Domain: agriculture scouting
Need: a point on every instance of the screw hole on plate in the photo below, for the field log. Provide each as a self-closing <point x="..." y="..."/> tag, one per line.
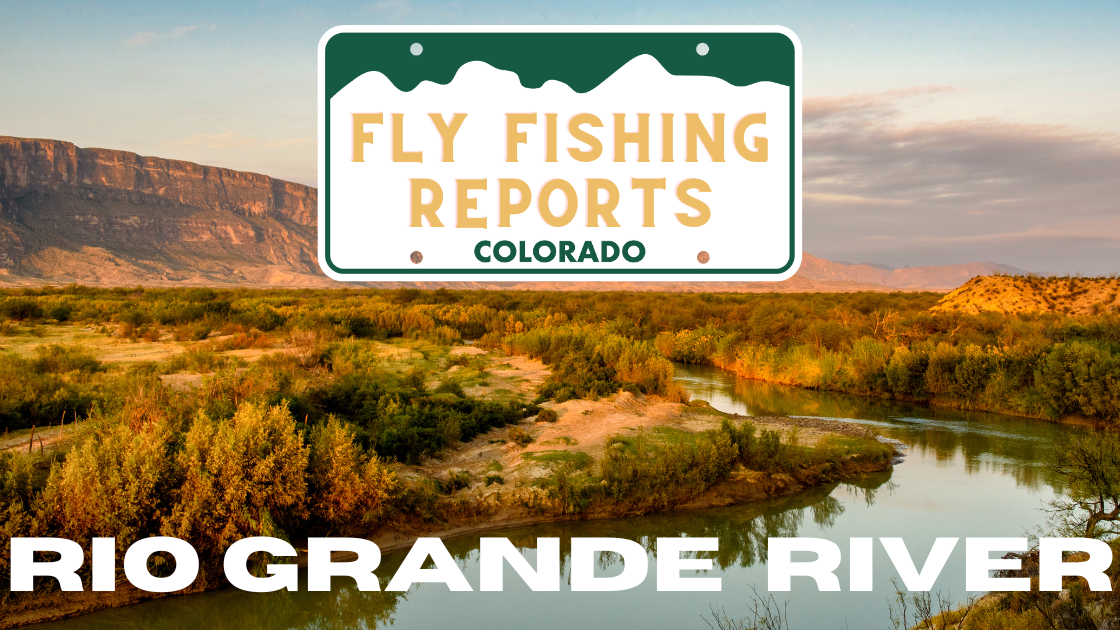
<point x="701" y="49"/>
<point x="416" y="258"/>
<point x="416" y="49"/>
<point x="703" y="258"/>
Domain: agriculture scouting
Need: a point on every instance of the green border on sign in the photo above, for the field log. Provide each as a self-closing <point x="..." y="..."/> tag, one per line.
<point x="582" y="60"/>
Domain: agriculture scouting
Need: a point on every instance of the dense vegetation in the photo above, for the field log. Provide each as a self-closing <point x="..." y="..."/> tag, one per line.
<point x="1051" y="365"/>
<point x="319" y="414"/>
<point x="659" y="469"/>
<point x="294" y="404"/>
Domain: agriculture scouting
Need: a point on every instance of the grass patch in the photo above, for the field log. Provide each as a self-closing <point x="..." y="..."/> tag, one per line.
<point x="578" y="460"/>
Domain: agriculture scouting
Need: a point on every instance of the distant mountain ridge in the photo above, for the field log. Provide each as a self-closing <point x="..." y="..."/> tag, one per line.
<point x="112" y="218"/>
<point x="932" y="278"/>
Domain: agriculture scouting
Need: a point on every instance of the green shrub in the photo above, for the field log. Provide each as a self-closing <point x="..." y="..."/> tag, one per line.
<point x="451" y="386"/>
<point x="17" y="496"/>
<point x="636" y="467"/>
<point x="59" y="359"/>
<point x="415" y="378"/>
<point x="38" y="391"/>
<point x="906" y="373"/>
<point x="60" y="313"/>
<point x="1077" y="377"/>
<point x="402" y="422"/>
<point x="762" y="452"/>
<point x="941" y="375"/>
<point x="973" y="372"/>
<point x="457" y="480"/>
<point x="520" y="436"/>
<point x="21" y="309"/>
<point x="581" y="375"/>
<point x="135" y="317"/>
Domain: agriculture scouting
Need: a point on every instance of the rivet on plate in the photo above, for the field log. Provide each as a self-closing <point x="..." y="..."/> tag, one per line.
<point x="417" y="257"/>
<point x="703" y="258"/>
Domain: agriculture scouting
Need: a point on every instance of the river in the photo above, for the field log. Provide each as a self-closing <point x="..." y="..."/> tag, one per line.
<point x="964" y="474"/>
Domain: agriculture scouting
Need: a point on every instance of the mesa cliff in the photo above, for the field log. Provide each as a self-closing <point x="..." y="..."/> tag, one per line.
<point x="97" y="216"/>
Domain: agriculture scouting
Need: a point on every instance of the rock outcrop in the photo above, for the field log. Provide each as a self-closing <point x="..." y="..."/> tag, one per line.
<point x="98" y="216"/>
<point x="29" y="165"/>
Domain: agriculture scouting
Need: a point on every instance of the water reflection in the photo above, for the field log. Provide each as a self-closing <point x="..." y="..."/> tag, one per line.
<point x="342" y="609"/>
<point x="742" y="530"/>
<point x="989" y="443"/>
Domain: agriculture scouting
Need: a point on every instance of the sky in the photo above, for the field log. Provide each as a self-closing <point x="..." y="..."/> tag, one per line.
<point x="934" y="132"/>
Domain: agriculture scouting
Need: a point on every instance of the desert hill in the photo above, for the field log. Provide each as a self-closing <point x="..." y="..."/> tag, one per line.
<point x="931" y="278"/>
<point x="112" y="218"/>
<point x="1034" y="294"/>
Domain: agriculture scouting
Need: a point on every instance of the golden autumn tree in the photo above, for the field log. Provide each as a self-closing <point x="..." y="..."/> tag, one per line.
<point x="243" y="477"/>
<point x="349" y="490"/>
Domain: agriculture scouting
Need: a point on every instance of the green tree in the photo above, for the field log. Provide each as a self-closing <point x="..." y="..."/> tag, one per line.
<point x="1080" y="377"/>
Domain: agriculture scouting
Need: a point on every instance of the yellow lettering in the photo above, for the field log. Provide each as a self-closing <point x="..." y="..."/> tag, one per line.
<point x="361" y="136"/>
<point x="760" y="153"/>
<point x="605" y="209"/>
<point x="692" y="202"/>
<point x="399" y="154"/>
<point x="466" y="202"/>
<point x="712" y="142"/>
<point x="647" y="186"/>
<point x="550" y="137"/>
<point x="595" y="148"/>
<point x="426" y="210"/>
<point x="666" y="137"/>
<point x="623" y="137"/>
<point x="507" y="208"/>
<point x="447" y="132"/>
<point x="515" y="137"/>
<point x="569" y="210"/>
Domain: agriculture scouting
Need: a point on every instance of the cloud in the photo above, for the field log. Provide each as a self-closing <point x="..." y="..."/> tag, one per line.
<point x="146" y="38"/>
<point x="1041" y="196"/>
<point x="227" y="140"/>
<point x="233" y="140"/>
<point x="866" y="105"/>
<point x="855" y="199"/>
